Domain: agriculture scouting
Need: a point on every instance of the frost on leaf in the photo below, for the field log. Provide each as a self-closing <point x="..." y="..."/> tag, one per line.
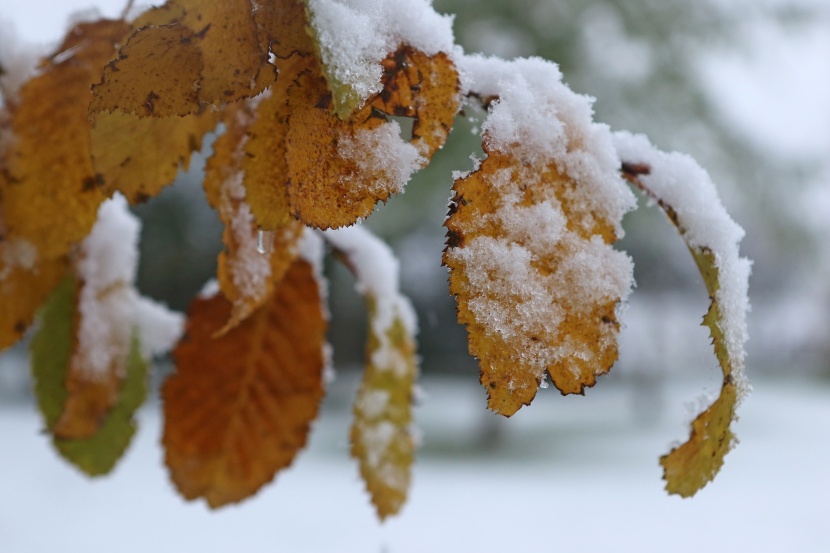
<point x="381" y="433"/>
<point x="528" y="242"/>
<point x="138" y="156"/>
<point x="53" y="193"/>
<point x="94" y="452"/>
<point x="248" y="268"/>
<point x="688" y="196"/>
<point x="211" y="55"/>
<point x="239" y="406"/>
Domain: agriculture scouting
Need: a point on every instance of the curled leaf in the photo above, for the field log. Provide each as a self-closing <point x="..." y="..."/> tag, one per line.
<point x="381" y="434"/>
<point x="688" y="196"/>
<point x="238" y="408"/>
<point x="423" y="87"/>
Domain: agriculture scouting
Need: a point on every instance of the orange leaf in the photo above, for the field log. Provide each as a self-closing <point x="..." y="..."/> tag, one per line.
<point x="516" y="244"/>
<point x="212" y="55"/>
<point x="339" y="169"/>
<point x="423" y="87"/>
<point x="239" y="406"/>
<point x="53" y="194"/>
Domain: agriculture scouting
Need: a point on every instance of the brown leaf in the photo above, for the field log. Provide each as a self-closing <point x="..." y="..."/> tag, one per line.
<point x="513" y="248"/>
<point x="282" y="25"/>
<point x="138" y="156"/>
<point x="53" y="193"/>
<point x="423" y="87"/>
<point x="239" y="406"/>
<point x="22" y="292"/>
<point x="212" y="55"/>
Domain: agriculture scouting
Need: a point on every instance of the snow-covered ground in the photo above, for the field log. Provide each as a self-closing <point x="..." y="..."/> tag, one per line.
<point x="567" y="474"/>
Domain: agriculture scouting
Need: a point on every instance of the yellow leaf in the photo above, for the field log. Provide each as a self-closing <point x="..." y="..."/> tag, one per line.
<point x="514" y="249"/>
<point x="381" y="433"/>
<point x="53" y="192"/>
<point x="264" y="163"/>
<point x="211" y="55"/>
<point x="690" y="466"/>
<point x="282" y="24"/>
<point x="325" y="189"/>
<point x="253" y="261"/>
<point x="138" y="156"/>
<point x="238" y="408"/>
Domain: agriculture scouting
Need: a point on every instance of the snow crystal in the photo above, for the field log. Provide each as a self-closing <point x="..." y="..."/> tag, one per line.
<point x="538" y="120"/>
<point x="377" y="438"/>
<point x="372" y="404"/>
<point x="356" y="35"/>
<point x="681" y="183"/>
<point x="382" y="153"/>
<point x="111" y="309"/>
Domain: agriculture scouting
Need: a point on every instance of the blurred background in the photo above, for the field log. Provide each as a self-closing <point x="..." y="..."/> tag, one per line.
<point x="744" y="87"/>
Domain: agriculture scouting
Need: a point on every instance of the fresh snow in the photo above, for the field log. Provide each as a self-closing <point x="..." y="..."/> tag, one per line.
<point x="356" y="35"/>
<point x="111" y="310"/>
<point x="566" y="474"/>
<point x="679" y="181"/>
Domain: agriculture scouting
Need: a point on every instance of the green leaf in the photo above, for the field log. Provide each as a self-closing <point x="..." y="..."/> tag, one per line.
<point x="51" y="351"/>
<point x="98" y="454"/>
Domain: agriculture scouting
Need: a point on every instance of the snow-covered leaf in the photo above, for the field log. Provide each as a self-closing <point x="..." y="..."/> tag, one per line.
<point x="94" y="446"/>
<point x="253" y="261"/>
<point x="536" y="280"/>
<point x="688" y="196"/>
<point x="382" y="434"/>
